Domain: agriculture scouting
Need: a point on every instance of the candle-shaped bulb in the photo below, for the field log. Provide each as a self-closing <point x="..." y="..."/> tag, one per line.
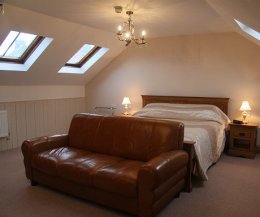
<point x="2" y="10"/>
<point x="127" y="35"/>
<point x="143" y="33"/>
<point x="119" y="28"/>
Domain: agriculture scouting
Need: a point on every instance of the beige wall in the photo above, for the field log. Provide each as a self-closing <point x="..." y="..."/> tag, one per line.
<point x="40" y="92"/>
<point x="217" y="65"/>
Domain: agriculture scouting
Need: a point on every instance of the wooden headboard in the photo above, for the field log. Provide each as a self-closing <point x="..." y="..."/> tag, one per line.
<point x="222" y="103"/>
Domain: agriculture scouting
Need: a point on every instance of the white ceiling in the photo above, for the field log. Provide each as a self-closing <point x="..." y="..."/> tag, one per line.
<point x="159" y="18"/>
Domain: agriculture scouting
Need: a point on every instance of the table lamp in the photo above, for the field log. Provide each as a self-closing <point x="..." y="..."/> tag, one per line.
<point x="126" y="102"/>
<point x="245" y="108"/>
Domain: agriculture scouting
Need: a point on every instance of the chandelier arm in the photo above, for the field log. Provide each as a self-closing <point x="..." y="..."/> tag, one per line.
<point x="140" y="41"/>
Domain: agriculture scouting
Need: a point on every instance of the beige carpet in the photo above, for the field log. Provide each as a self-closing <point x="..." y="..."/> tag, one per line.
<point x="233" y="190"/>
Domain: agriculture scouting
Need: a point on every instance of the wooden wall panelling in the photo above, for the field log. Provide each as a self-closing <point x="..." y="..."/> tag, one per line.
<point x="62" y="113"/>
<point x="2" y="140"/>
<point x="82" y="104"/>
<point x="11" y="113"/>
<point x="77" y="106"/>
<point x="49" y="117"/>
<point x="69" y="111"/>
<point x="38" y="118"/>
<point x="30" y="119"/>
<point x="73" y="109"/>
<point x="21" y="122"/>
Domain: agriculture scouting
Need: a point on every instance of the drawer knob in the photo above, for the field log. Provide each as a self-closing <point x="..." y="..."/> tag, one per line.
<point x="242" y="134"/>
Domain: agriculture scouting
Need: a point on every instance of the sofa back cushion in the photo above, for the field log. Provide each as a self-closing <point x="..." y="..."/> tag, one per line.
<point x="128" y="137"/>
<point x="83" y="130"/>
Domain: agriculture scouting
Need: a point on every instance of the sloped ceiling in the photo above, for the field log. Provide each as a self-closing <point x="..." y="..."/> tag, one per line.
<point x="246" y="11"/>
<point x="68" y="38"/>
<point x="74" y="22"/>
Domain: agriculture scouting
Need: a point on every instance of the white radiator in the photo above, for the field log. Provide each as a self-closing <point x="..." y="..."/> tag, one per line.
<point x="3" y="124"/>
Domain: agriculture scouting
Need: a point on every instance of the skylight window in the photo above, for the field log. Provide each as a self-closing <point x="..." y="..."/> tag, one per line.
<point x="79" y="56"/>
<point x="20" y="50"/>
<point x="83" y="55"/>
<point x="248" y="30"/>
<point x="17" y="46"/>
<point x="83" y="59"/>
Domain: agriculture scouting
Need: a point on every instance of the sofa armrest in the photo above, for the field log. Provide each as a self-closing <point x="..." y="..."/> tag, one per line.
<point x="160" y="178"/>
<point x="40" y="144"/>
<point x="159" y="169"/>
<point x="44" y="143"/>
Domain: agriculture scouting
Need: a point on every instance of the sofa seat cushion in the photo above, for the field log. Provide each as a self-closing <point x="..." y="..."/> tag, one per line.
<point x="49" y="160"/>
<point x="120" y="178"/>
<point x="83" y="169"/>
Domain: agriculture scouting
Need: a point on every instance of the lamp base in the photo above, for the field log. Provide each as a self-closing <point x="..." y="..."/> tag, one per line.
<point x="244" y="114"/>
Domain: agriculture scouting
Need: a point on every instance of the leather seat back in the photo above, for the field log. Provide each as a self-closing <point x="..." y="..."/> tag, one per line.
<point x="128" y="137"/>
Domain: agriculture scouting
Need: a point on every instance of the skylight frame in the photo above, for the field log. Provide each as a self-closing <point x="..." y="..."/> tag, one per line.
<point x="27" y="52"/>
<point x="86" y="62"/>
<point x="248" y="30"/>
<point x="85" y="58"/>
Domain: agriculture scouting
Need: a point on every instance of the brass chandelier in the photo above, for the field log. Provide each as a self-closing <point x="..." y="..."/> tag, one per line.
<point x="2" y="10"/>
<point x="125" y="33"/>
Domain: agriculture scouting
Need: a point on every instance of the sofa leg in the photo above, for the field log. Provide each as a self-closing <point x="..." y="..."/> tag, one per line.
<point x="189" y="147"/>
<point x="33" y="183"/>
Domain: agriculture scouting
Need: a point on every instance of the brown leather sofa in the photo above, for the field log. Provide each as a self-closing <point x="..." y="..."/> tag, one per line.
<point x="132" y="164"/>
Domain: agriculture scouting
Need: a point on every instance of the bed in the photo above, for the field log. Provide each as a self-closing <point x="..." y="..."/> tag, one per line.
<point x="205" y="120"/>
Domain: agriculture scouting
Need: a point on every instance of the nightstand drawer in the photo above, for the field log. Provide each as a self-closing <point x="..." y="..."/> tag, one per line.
<point x="242" y="134"/>
<point x="242" y="140"/>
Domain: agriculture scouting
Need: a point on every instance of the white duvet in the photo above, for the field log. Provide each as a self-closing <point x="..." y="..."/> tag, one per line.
<point x="204" y="124"/>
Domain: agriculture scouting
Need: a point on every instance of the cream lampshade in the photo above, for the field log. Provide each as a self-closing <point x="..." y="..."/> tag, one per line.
<point x="126" y="102"/>
<point x="245" y="108"/>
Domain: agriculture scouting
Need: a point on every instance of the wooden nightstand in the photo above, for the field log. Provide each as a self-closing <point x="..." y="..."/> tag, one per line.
<point x="242" y="140"/>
